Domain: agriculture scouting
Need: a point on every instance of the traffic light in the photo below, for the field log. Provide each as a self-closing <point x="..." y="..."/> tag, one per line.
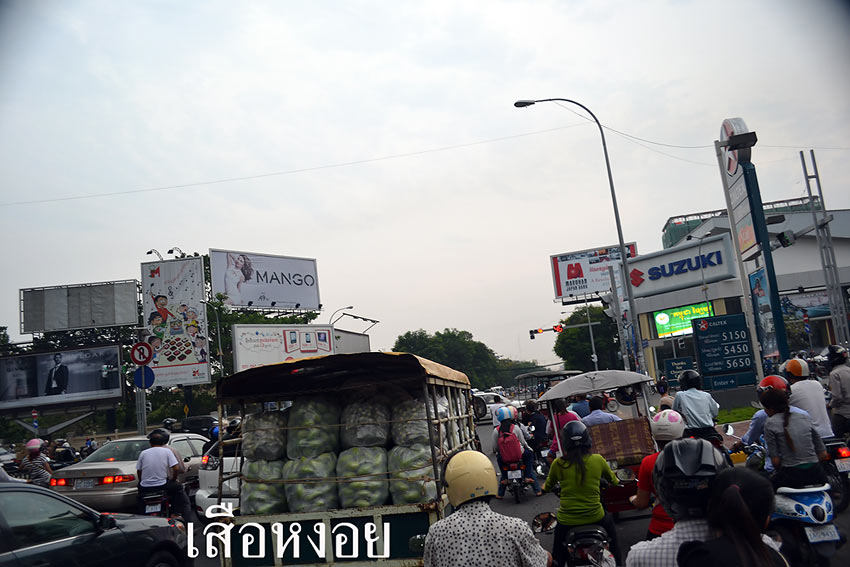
<point x="558" y="328"/>
<point x="786" y="238"/>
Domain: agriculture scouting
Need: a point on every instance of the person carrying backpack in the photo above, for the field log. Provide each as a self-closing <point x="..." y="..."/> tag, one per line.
<point x="511" y="446"/>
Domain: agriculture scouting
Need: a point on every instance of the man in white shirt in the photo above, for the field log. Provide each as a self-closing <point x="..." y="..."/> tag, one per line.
<point x="157" y="469"/>
<point x="808" y="395"/>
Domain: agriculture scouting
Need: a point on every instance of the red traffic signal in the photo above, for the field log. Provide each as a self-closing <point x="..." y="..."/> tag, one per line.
<point x="558" y="328"/>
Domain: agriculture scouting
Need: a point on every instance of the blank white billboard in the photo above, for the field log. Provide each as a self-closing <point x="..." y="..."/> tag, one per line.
<point x="82" y="306"/>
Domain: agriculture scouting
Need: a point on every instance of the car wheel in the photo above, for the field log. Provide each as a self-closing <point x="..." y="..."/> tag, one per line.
<point x="162" y="559"/>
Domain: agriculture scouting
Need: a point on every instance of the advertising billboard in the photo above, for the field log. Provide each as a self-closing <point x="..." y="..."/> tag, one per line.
<point x="83" y="306"/>
<point x="722" y="345"/>
<point x="586" y="271"/>
<point x="60" y="378"/>
<point x="765" y="324"/>
<point x="259" y="345"/>
<point x="677" y="321"/>
<point x="176" y="321"/>
<point x="262" y="280"/>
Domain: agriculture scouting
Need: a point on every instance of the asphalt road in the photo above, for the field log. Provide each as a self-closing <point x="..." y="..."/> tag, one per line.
<point x="631" y="527"/>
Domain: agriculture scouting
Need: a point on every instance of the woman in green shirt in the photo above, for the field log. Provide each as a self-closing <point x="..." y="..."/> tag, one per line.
<point x="579" y="473"/>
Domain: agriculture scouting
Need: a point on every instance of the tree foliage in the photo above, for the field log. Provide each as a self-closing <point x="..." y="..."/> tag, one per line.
<point x="573" y="345"/>
<point x="458" y="350"/>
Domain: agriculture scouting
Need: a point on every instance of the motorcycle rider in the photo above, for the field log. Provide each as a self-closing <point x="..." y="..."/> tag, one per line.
<point x="666" y="426"/>
<point x="698" y="408"/>
<point x="683" y="475"/>
<point x="740" y="505"/>
<point x="157" y="469"/>
<point x="596" y="415"/>
<point x="473" y="534"/>
<point x="579" y="472"/>
<point x="508" y="425"/>
<point x="794" y="446"/>
<point x="534" y="418"/>
<point x="839" y="385"/>
<point x="808" y="395"/>
<point x="560" y="417"/>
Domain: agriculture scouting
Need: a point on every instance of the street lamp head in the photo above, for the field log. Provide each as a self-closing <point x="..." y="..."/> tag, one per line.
<point x="524" y="103"/>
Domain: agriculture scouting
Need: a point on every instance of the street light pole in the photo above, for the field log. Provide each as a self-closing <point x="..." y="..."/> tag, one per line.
<point x="331" y="318"/>
<point x="218" y="335"/>
<point x="632" y="311"/>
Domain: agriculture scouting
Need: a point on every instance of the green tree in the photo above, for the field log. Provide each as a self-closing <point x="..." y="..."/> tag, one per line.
<point x="573" y="345"/>
<point x="458" y="350"/>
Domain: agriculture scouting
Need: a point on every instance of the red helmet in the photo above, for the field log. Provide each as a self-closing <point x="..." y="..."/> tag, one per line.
<point x="777" y="383"/>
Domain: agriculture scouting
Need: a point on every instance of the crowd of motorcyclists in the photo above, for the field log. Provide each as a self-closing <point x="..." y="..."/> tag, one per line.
<point x="707" y="512"/>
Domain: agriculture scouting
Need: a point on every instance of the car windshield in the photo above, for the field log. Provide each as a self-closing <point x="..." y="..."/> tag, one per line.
<point x="119" y="451"/>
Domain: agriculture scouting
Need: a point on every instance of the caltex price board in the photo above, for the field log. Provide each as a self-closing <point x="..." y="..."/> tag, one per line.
<point x="723" y="351"/>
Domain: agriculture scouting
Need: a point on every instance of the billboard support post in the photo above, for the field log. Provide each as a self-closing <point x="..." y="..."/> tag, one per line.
<point x="746" y="304"/>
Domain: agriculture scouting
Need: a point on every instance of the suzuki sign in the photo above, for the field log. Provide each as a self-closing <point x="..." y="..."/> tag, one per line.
<point x="688" y="265"/>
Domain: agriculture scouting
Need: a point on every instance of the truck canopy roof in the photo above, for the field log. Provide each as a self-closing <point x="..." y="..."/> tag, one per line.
<point x="320" y="373"/>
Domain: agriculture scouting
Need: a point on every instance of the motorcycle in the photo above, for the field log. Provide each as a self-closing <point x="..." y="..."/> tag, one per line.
<point x="540" y="448"/>
<point x="156" y="503"/>
<point x="837" y="469"/>
<point x="514" y="473"/>
<point x="803" y="520"/>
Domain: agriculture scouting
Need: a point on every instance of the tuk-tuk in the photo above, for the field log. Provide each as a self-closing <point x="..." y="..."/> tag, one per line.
<point x="622" y="443"/>
<point x="532" y="385"/>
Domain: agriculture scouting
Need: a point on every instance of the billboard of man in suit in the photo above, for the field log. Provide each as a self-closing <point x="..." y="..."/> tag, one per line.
<point x="57" y="377"/>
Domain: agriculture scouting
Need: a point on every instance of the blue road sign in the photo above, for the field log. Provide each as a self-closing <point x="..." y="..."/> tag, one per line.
<point x="807" y="328"/>
<point x="143" y="377"/>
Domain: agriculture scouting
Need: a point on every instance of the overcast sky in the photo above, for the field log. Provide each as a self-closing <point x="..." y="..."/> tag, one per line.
<point x="381" y="139"/>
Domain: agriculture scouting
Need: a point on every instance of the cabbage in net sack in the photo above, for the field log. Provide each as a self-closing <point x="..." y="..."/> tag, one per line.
<point x="361" y="491"/>
<point x="264" y="436"/>
<point x="316" y="493"/>
<point x="407" y="486"/>
<point x="365" y="423"/>
<point x="261" y="497"/>
<point x="313" y="427"/>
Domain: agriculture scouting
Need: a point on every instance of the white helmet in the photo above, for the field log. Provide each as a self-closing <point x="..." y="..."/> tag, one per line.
<point x="469" y="475"/>
<point x="667" y="425"/>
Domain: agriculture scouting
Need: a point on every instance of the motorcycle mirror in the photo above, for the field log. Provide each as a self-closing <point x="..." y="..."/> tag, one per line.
<point x="544" y="522"/>
<point x="416" y="543"/>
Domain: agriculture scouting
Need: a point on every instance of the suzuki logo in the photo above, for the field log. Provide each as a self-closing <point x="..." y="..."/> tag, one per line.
<point x="636" y="277"/>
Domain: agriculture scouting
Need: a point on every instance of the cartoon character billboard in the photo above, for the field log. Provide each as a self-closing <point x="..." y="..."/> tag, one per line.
<point x="175" y="321"/>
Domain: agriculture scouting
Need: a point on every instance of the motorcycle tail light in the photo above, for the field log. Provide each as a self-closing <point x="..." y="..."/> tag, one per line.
<point x="843" y="452"/>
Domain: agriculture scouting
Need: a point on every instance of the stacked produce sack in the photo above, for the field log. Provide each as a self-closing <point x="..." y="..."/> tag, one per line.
<point x="362" y="466"/>
<point x="311" y="449"/>
<point x="410" y="460"/>
<point x="263" y="497"/>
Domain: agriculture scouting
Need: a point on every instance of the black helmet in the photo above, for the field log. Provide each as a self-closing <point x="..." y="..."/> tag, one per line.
<point x="690" y="379"/>
<point x="683" y="475"/>
<point x="531" y="406"/>
<point x="159" y="436"/>
<point x="836" y="355"/>
<point x="574" y="434"/>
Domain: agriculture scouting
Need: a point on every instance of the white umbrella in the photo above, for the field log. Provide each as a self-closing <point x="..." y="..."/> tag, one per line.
<point x="596" y="381"/>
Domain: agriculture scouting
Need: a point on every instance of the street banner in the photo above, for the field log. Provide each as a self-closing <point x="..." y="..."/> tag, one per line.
<point x="71" y="377"/>
<point x="263" y="280"/>
<point x="259" y="345"/>
<point x="175" y="321"/>
<point x="765" y="323"/>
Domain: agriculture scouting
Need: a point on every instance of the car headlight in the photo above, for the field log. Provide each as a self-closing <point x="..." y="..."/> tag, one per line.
<point x="625" y="474"/>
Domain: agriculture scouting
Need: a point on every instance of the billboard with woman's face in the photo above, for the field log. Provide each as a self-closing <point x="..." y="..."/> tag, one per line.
<point x="261" y="280"/>
<point x="60" y="378"/>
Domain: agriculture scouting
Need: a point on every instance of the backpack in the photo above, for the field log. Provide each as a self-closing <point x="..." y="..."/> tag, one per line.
<point x="509" y="447"/>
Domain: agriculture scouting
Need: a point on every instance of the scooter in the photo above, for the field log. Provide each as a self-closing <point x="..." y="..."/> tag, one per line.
<point x="586" y="545"/>
<point x="803" y="521"/>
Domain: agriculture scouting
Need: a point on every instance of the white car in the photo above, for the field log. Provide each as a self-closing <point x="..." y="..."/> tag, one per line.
<point x="485" y="402"/>
<point x="208" y="472"/>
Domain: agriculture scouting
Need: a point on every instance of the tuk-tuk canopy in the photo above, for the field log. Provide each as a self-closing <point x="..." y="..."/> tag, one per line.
<point x="319" y="373"/>
<point x="596" y="381"/>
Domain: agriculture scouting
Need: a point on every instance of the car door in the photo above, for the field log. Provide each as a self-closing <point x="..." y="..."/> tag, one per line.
<point x="44" y="529"/>
<point x="182" y="445"/>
